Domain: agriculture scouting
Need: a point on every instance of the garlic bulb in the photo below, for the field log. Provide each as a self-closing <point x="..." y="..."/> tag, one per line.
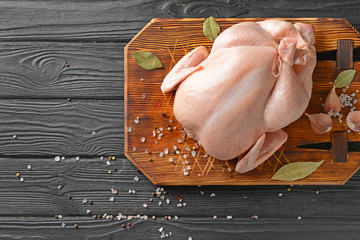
<point x="320" y="122"/>
<point x="332" y="103"/>
<point x="353" y="121"/>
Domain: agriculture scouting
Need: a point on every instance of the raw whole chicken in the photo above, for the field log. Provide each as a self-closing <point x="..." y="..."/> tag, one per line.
<point x="236" y="100"/>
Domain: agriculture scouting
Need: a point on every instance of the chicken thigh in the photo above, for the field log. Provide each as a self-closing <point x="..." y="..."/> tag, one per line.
<point x="236" y="100"/>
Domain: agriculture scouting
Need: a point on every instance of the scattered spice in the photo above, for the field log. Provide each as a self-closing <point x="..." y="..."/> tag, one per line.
<point x="123" y="226"/>
<point x="69" y="99"/>
<point x="317" y="192"/>
<point x="76" y="226"/>
<point x="18" y="174"/>
<point x="147" y="60"/>
<point x="129" y="224"/>
<point x="14" y="137"/>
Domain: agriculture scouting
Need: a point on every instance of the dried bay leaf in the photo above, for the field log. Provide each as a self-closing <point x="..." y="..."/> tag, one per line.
<point x="344" y="78"/>
<point x="295" y="171"/>
<point x="147" y="60"/>
<point x="211" y="28"/>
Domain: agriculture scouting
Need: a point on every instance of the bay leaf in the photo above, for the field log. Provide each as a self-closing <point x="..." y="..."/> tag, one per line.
<point x="147" y="60"/>
<point x="211" y="28"/>
<point x="344" y="78"/>
<point x="296" y="170"/>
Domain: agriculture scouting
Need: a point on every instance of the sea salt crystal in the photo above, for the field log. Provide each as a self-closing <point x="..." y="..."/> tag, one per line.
<point x="160" y="203"/>
<point x="77" y="158"/>
<point x="179" y="140"/>
<point x="108" y="163"/>
<point x="154" y="134"/>
<point x="177" y="152"/>
<point x="143" y="96"/>
<point x="186" y="173"/>
<point x="171" y="160"/>
<point x="184" y="156"/>
<point x="57" y="158"/>
<point x="174" y="147"/>
<point x="161" y="154"/>
<point x="136" y="178"/>
<point x="280" y="194"/>
<point x="166" y="151"/>
<point x="229" y="169"/>
<point x="136" y="121"/>
<point x="228" y="217"/>
<point x="84" y="201"/>
<point x="142" y="79"/>
<point x="145" y="205"/>
<point x="213" y="195"/>
<point x="161" y="229"/>
<point x="202" y="193"/>
<point x="188" y="167"/>
<point x="187" y="149"/>
<point x="142" y="139"/>
<point x="168" y="201"/>
<point x="112" y="199"/>
<point x="128" y="129"/>
<point x="193" y="153"/>
<point x="133" y="191"/>
<point x="134" y="148"/>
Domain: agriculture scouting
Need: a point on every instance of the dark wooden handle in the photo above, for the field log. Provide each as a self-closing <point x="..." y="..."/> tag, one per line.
<point x="339" y="148"/>
<point x="344" y="54"/>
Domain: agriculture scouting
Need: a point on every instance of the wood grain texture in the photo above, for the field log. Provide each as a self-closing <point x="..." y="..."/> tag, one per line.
<point x="339" y="149"/>
<point x="39" y="194"/>
<point x="344" y="54"/>
<point x="206" y="171"/>
<point x="58" y="127"/>
<point x="120" y="20"/>
<point x="197" y="228"/>
<point x="39" y="70"/>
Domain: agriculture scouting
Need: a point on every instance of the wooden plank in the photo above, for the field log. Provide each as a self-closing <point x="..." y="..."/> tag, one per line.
<point x="39" y="70"/>
<point x="185" y="227"/>
<point x="40" y="194"/>
<point x="339" y="149"/>
<point x="205" y="170"/>
<point x="58" y="127"/>
<point x="344" y="54"/>
<point x="120" y="21"/>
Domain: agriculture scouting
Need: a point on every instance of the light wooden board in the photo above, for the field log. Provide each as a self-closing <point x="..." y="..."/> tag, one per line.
<point x="170" y="39"/>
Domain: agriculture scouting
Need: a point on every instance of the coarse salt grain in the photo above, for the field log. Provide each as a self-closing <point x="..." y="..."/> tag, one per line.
<point x="166" y="151"/>
<point x="111" y="199"/>
<point x="193" y="153"/>
<point x="142" y="139"/>
<point x="136" y="121"/>
<point x="280" y="194"/>
<point x="168" y="201"/>
<point x="161" y="154"/>
<point x="179" y="140"/>
<point x="299" y="217"/>
<point x="60" y="216"/>
<point x="212" y="195"/>
<point x="187" y="149"/>
<point x="57" y="158"/>
<point x="143" y="96"/>
<point x="161" y="229"/>
<point x="128" y="129"/>
<point x="228" y="217"/>
<point x="202" y="193"/>
<point x="134" y="148"/>
<point x="171" y="160"/>
<point x="29" y="167"/>
<point x="84" y="201"/>
<point x="136" y="178"/>
<point x="62" y="158"/>
<point x="141" y="79"/>
<point x="93" y="133"/>
<point x="22" y="180"/>
<point x="215" y="217"/>
<point x="108" y="163"/>
<point x="186" y="173"/>
<point x="160" y="203"/>
<point x="113" y="191"/>
<point x="145" y="205"/>
<point x="63" y="225"/>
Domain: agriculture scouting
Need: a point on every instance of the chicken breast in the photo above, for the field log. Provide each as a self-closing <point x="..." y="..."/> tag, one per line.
<point x="256" y="80"/>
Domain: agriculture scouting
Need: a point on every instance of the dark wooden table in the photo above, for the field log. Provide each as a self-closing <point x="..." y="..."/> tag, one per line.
<point x="54" y="50"/>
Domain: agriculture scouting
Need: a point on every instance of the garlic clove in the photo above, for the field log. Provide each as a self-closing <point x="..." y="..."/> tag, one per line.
<point x="332" y="103"/>
<point x="320" y="122"/>
<point x="353" y="121"/>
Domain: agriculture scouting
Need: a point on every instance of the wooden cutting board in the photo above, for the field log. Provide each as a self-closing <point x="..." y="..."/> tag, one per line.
<point x="170" y="39"/>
